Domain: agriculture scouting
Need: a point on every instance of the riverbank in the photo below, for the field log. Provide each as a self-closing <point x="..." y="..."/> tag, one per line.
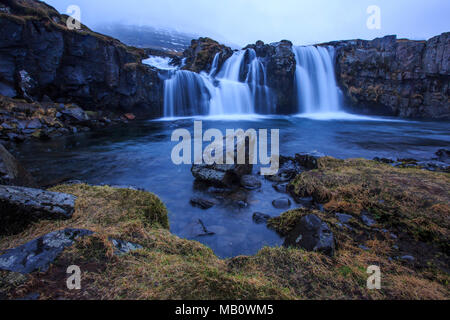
<point x="399" y="225"/>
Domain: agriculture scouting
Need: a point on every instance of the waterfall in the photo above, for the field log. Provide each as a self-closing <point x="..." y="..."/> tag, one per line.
<point x="185" y="94"/>
<point x="315" y="80"/>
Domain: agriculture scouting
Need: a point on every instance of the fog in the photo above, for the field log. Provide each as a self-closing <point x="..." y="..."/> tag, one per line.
<point x="245" y="21"/>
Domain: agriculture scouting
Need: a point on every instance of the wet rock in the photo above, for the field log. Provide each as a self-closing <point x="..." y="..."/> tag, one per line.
<point x="282" y="203"/>
<point x="261" y="218"/>
<point x="250" y="182"/>
<point x="443" y="155"/>
<point x="27" y="85"/>
<point x="312" y="234"/>
<point x="242" y="204"/>
<point x="344" y="218"/>
<point x="307" y="161"/>
<point x="75" y="113"/>
<point x="367" y="220"/>
<point x="37" y="255"/>
<point x="202" y="203"/>
<point x="21" y="206"/>
<point x="17" y="174"/>
<point x="281" y="188"/>
<point x="124" y="247"/>
<point x="198" y="229"/>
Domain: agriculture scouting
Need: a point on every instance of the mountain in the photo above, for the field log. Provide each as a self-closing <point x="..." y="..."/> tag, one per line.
<point x="148" y="37"/>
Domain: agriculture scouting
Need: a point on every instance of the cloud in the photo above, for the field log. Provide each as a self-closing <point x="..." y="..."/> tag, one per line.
<point x="245" y="21"/>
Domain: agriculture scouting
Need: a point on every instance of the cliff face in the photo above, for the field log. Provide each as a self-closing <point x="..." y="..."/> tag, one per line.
<point x="280" y="64"/>
<point x="398" y="77"/>
<point x="40" y="56"/>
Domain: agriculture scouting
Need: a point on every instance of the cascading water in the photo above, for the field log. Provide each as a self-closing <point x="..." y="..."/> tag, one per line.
<point x="316" y="87"/>
<point x="239" y="87"/>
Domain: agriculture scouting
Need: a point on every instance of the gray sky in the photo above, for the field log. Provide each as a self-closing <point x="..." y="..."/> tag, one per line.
<point x="245" y="21"/>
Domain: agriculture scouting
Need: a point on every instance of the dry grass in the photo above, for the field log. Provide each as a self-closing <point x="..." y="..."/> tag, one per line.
<point x="172" y="268"/>
<point x="409" y="200"/>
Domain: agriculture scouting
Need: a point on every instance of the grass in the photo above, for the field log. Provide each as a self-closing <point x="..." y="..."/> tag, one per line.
<point x="172" y="268"/>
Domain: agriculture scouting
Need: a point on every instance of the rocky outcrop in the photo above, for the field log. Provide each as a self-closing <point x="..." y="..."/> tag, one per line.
<point x="279" y="62"/>
<point x="12" y="172"/>
<point x="21" y="206"/>
<point x="40" y="56"/>
<point x="37" y="255"/>
<point x="312" y="234"/>
<point x="395" y="76"/>
<point x="200" y="55"/>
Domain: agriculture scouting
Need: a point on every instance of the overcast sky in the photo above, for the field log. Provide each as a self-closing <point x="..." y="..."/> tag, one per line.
<point x="245" y="21"/>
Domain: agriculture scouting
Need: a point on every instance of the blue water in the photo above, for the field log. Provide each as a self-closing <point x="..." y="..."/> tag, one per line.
<point x="140" y="155"/>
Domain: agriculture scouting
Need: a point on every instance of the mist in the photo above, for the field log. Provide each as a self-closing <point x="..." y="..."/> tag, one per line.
<point x="246" y="21"/>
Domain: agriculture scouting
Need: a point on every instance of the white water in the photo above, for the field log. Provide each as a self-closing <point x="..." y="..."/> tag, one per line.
<point x="315" y="80"/>
<point x="232" y="90"/>
<point x="162" y="63"/>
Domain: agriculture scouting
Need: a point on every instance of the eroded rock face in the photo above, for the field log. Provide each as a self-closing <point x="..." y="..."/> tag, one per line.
<point x="394" y="76"/>
<point x="312" y="234"/>
<point x="37" y="255"/>
<point x="20" y="206"/>
<point x="41" y="57"/>
<point x="200" y="55"/>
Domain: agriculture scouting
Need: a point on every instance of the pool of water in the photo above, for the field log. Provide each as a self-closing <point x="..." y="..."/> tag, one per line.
<point x="140" y="155"/>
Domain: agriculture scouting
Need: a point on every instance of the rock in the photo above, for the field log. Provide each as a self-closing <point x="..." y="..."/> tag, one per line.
<point x="200" y="55"/>
<point x="367" y="220"/>
<point x="443" y="155"/>
<point x="364" y="248"/>
<point x="37" y="255"/>
<point x="27" y="85"/>
<point x="250" y="182"/>
<point x="312" y="234"/>
<point x="18" y="175"/>
<point x="124" y="247"/>
<point x="31" y="297"/>
<point x="281" y="188"/>
<point x="407" y="258"/>
<point x="198" y="229"/>
<point x="225" y="175"/>
<point x="307" y="161"/>
<point x="282" y="203"/>
<point x="396" y="77"/>
<point x="202" y="203"/>
<point x="75" y="113"/>
<point x="261" y="218"/>
<point x="344" y="218"/>
<point x="21" y="206"/>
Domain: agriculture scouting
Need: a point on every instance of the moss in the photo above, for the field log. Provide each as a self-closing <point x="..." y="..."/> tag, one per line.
<point x="168" y="267"/>
<point x="413" y="200"/>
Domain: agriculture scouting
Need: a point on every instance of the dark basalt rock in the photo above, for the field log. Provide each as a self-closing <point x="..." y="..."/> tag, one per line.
<point x="200" y="55"/>
<point x="202" y="203"/>
<point x="261" y="218"/>
<point x="198" y="229"/>
<point x="41" y="58"/>
<point x="250" y="182"/>
<point x="312" y="234"/>
<point x="396" y="76"/>
<point x="282" y="203"/>
<point x="37" y="255"/>
<point x="20" y="206"/>
<point x="12" y="172"/>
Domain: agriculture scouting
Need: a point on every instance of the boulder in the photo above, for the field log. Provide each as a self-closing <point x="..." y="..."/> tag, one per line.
<point x="17" y="174"/>
<point x="202" y="203"/>
<point x="124" y="247"/>
<point x="282" y="203"/>
<point x="312" y="234"/>
<point x="261" y="218"/>
<point x="37" y="255"/>
<point x="250" y="182"/>
<point x="20" y="206"/>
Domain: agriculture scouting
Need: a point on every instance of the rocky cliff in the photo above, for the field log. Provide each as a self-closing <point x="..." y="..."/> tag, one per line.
<point x="395" y="76"/>
<point x="41" y="58"/>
